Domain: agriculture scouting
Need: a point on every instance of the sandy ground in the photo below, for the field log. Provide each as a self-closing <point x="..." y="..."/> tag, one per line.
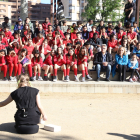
<point x="82" y="117"/>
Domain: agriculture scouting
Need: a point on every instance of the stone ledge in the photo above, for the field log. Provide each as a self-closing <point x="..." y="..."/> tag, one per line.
<point x="77" y="87"/>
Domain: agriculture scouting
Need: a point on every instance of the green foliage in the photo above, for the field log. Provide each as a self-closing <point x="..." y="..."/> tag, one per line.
<point x="109" y="10"/>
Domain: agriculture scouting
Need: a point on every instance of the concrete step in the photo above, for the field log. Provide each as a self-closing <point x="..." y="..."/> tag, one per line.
<point x="76" y="87"/>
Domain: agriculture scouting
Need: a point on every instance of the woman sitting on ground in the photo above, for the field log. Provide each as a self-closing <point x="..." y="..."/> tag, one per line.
<point x="29" y="107"/>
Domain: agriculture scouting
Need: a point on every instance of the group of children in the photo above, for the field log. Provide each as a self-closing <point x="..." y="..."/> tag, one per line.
<point x="51" y="49"/>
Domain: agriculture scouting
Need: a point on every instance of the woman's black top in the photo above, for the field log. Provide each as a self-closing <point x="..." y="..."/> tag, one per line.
<point x="25" y="99"/>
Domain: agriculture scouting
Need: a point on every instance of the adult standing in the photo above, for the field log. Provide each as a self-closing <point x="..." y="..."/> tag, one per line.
<point x="103" y="61"/>
<point x="130" y="11"/>
<point x="29" y="108"/>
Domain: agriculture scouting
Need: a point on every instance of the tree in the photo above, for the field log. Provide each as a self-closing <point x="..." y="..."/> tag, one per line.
<point x="104" y="9"/>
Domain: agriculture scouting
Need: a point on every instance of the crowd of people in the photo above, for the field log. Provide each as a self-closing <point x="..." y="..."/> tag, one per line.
<point x="61" y="47"/>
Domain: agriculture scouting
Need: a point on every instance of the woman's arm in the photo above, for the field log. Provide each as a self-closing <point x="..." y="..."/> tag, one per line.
<point x="40" y="107"/>
<point x="7" y="101"/>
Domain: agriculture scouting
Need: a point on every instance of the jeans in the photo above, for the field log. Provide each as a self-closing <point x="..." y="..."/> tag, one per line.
<point x="131" y="20"/>
<point x="100" y="68"/>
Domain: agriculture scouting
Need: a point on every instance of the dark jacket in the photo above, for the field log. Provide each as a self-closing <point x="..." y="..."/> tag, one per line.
<point x="37" y="32"/>
<point x="87" y="35"/>
<point x="99" y="27"/>
<point x="96" y="42"/>
<point x="98" y="59"/>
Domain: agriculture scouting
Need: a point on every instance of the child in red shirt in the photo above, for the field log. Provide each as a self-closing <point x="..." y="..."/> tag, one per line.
<point x="37" y="41"/>
<point x="30" y="48"/>
<point x="49" y="31"/>
<point x="23" y="61"/>
<point x="59" y="63"/>
<point x="48" y="65"/>
<point x="82" y="63"/>
<point x="78" y="39"/>
<point x="37" y="64"/>
<point x="112" y="44"/>
<point x="49" y="39"/>
<point x="66" y="50"/>
<point x="12" y="60"/>
<point x="121" y="33"/>
<point x="91" y="33"/>
<point x="71" y="64"/>
<point x="8" y="33"/>
<point x="3" y="65"/>
<point x="3" y="39"/>
<point x="57" y="41"/>
<point x="66" y="40"/>
<point x="77" y="48"/>
<point x="44" y="49"/>
<point x="73" y="35"/>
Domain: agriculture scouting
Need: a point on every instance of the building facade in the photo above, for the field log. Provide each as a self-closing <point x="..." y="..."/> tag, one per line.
<point x="74" y="8"/>
<point x="36" y="10"/>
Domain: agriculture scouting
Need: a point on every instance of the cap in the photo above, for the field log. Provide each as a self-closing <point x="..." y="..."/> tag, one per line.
<point x="19" y="19"/>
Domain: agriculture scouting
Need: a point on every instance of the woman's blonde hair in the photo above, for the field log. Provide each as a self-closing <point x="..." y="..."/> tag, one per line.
<point x="24" y="79"/>
<point x="123" y="49"/>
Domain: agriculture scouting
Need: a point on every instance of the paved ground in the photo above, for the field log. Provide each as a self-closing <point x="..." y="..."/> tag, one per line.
<point x="82" y="117"/>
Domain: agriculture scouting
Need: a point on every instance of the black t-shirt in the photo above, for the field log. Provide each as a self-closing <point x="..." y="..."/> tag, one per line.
<point x="130" y="5"/>
<point x="25" y="97"/>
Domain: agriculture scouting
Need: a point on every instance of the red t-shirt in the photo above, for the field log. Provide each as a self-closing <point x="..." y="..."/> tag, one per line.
<point x="46" y="49"/>
<point x="69" y="59"/>
<point x="38" y="42"/>
<point x="61" y="33"/>
<point x="58" y="42"/>
<point x="12" y="38"/>
<point x="45" y="25"/>
<point x="29" y="49"/>
<point x="8" y="34"/>
<point x="80" y="60"/>
<point x="61" y="62"/>
<point x="24" y="39"/>
<point x="50" y="42"/>
<point x="120" y="36"/>
<point x="4" y="41"/>
<point x="48" y="61"/>
<point x="66" y="42"/>
<point x="132" y="35"/>
<point x="80" y="40"/>
<point x="34" y="62"/>
<point x="73" y="36"/>
<point x="2" y="46"/>
<point x="92" y="33"/>
<point x="112" y="44"/>
<point x="48" y="32"/>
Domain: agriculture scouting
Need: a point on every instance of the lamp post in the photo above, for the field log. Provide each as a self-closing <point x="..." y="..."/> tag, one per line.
<point x="24" y="10"/>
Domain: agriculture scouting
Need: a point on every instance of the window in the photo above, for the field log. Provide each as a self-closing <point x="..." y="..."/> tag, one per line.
<point x="82" y="1"/>
<point x="13" y="6"/>
<point x="70" y="14"/>
<point x="78" y="16"/>
<point x="43" y="7"/>
<point x="44" y="13"/>
<point x="72" y="8"/>
<point x="13" y="16"/>
<point x="70" y="1"/>
<point x="13" y="11"/>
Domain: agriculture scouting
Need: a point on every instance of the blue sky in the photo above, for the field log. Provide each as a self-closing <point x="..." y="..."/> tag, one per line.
<point x="46" y="1"/>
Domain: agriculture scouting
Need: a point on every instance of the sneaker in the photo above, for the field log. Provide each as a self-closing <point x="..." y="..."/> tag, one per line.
<point x="98" y="79"/>
<point x="54" y="79"/>
<point x="45" y="78"/>
<point x="51" y="78"/>
<point x="10" y="78"/>
<point x="14" y="79"/>
<point x="40" y="78"/>
<point x="34" y="78"/>
<point x="83" y="79"/>
<point x="65" y="79"/>
<point x="5" y="79"/>
<point x="76" y="79"/>
<point x="68" y="79"/>
<point x="130" y="80"/>
<point x="107" y="80"/>
<point x="88" y="77"/>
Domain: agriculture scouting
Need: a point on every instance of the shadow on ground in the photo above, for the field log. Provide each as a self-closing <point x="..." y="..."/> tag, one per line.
<point x="127" y="137"/>
<point x="45" y="135"/>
